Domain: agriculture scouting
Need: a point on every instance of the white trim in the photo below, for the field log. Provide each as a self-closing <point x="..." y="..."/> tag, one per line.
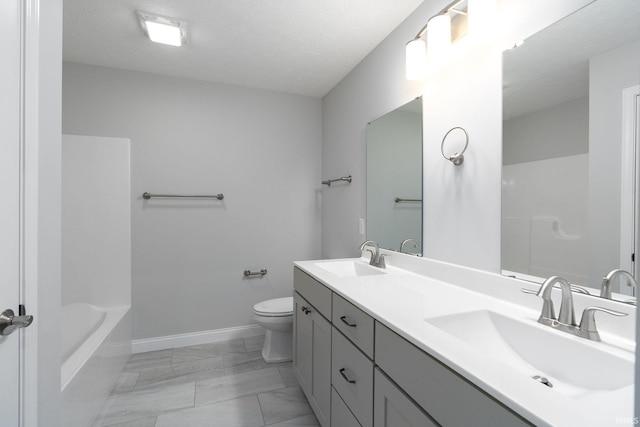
<point x="195" y="338"/>
<point x="628" y="190"/>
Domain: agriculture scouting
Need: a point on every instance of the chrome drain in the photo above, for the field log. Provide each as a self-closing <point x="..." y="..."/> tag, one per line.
<point x="543" y="380"/>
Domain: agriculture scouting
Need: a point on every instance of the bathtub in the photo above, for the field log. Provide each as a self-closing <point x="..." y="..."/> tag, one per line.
<point x="95" y="345"/>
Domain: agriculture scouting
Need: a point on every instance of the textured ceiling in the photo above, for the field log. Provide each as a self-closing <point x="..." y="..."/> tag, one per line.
<point x="552" y="66"/>
<point x="297" y="46"/>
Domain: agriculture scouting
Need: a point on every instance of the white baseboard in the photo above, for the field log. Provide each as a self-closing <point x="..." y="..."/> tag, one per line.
<point x="195" y="338"/>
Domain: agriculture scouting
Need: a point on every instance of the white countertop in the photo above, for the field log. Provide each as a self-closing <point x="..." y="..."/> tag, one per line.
<point x="404" y="297"/>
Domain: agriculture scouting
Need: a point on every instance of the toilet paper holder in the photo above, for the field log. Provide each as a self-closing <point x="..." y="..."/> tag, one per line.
<point x="249" y="273"/>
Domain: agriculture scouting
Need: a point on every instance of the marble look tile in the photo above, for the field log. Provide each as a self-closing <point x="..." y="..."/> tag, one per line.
<point x="237" y="385"/>
<point x="282" y="405"/>
<point x="242" y="412"/>
<point x="236" y="363"/>
<point x="126" y="382"/>
<point x="206" y="351"/>
<point x="171" y="371"/>
<point x="288" y="376"/>
<point x="143" y="404"/>
<point x="305" y="421"/>
<point x="254" y="343"/>
<point x="142" y="422"/>
<point x="140" y="361"/>
<point x="182" y="378"/>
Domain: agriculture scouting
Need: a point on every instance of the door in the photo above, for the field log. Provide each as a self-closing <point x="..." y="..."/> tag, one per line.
<point x="10" y="82"/>
<point x="630" y="186"/>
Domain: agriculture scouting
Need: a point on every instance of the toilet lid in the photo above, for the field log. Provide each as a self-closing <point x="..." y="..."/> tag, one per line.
<point x="275" y="307"/>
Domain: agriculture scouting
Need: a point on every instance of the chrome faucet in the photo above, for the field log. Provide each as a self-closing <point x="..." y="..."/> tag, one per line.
<point x="566" y="320"/>
<point x="607" y="281"/>
<point x="377" y="259"/>
<point x="415" y="244"/>
<point x="547" y="316"/>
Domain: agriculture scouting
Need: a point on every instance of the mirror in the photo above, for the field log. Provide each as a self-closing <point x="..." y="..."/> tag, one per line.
<point x="569" y="188"/>
<point x="394" y="178"/>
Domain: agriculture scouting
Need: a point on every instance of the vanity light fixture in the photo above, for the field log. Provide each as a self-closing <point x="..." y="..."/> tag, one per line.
<point x="161" y="29"/>
<point x="420" y="55"/>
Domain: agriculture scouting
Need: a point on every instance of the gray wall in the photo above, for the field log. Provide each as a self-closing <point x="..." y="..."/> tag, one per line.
<point x="557" y="131"/>
<point x="260" y="148"/>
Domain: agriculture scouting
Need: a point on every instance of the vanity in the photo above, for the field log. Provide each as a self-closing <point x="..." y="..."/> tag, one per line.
<point x="419" y="343"/>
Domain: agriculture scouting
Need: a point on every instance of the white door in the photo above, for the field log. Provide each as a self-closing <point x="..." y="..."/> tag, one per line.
<point x="10" y="72"/>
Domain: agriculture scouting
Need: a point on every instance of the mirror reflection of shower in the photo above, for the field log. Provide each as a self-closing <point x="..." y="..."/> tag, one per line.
<point x="570" y="188"/>
<point x="394" y="178"/>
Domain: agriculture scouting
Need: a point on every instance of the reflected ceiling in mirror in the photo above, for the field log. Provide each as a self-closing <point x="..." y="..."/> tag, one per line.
<point x="565" y="194"/>
<point x="394" y="179"/>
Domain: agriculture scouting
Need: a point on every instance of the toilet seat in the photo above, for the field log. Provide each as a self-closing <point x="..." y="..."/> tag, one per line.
<point x="278" y="307"/>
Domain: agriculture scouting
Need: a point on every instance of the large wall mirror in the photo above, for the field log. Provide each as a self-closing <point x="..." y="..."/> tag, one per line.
<point x="570" y="148"/>
<point x="394" y="179"/>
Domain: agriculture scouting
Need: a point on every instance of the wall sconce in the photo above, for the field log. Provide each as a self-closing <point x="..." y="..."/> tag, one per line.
<point x="421" y="56"/>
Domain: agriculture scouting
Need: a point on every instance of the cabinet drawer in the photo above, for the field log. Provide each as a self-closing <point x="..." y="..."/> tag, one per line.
<point x="341" y="416"/>
<point x="317" y="294"/>
<point x="352" y="377"/>
<point x="447" y="397"/>
<point x="354" y="323"/>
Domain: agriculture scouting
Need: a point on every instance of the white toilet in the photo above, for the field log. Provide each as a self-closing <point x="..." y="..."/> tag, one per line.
<point x="276" y="316"/>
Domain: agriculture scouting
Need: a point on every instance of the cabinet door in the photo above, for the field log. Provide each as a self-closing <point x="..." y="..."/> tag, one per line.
<point x="301" y="344"/>
<point x="341" y="416"/>
<point x="312" y="357"/>
<point x="392" y="408"/>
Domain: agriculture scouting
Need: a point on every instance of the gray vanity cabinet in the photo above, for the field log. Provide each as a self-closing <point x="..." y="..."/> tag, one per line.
<point x="448" y="398"/>
<point x="312" y="346"/>
<point x="356" y="372"/>
<point x="393" y="408"/>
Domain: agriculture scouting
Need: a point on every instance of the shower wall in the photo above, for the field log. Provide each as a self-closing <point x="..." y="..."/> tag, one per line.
<point x="96" y="221"/>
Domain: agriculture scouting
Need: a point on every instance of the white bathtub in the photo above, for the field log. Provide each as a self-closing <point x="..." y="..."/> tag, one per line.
<point x="95" y="344"/>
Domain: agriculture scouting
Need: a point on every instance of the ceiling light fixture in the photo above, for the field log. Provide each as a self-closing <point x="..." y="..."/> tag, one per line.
<point x="161" y="29"/>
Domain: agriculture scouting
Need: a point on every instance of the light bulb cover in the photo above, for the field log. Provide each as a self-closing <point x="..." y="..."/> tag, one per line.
<point x="416" y="59"/>
<point x="438" y="38"/>
<point x="482" y="17"/>
<point x="161" y="29"/>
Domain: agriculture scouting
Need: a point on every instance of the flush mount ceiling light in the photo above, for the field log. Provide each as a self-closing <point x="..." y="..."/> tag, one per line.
<point x="161" y="29"/>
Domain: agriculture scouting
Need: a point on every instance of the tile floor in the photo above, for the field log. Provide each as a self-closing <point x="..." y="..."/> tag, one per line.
<point x="224" y="384"/>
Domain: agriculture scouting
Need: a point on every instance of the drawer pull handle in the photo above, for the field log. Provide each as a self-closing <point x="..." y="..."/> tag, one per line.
<point x="346" y="378"/>
<point x="347" y="322"/>
<point x="305" y="310"/>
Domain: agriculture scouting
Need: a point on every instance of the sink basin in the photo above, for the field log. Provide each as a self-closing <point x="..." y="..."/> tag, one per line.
<point x="349" y="268"/>
<point x="574" y="366"/>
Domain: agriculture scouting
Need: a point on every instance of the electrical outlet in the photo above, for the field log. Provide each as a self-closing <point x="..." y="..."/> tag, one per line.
<point x="361" y="226"/>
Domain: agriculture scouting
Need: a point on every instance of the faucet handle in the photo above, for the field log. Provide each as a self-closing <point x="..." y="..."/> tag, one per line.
<point x="587" y="327"/>
<point x="381" y="263"/>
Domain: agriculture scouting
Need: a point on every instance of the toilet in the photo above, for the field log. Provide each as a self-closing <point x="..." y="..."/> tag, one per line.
<point x="276" y="316"/>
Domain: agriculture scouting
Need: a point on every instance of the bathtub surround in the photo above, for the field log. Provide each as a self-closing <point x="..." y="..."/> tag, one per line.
<point x="96" y="272"/>
<point x="259" y="148"/>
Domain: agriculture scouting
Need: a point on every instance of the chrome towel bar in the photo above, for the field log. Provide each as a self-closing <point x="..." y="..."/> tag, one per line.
<point x="344" y="178"/>
<point x="399" y="200"/>
<point x="148" y="196"/>
<point x="249" y="273"/>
